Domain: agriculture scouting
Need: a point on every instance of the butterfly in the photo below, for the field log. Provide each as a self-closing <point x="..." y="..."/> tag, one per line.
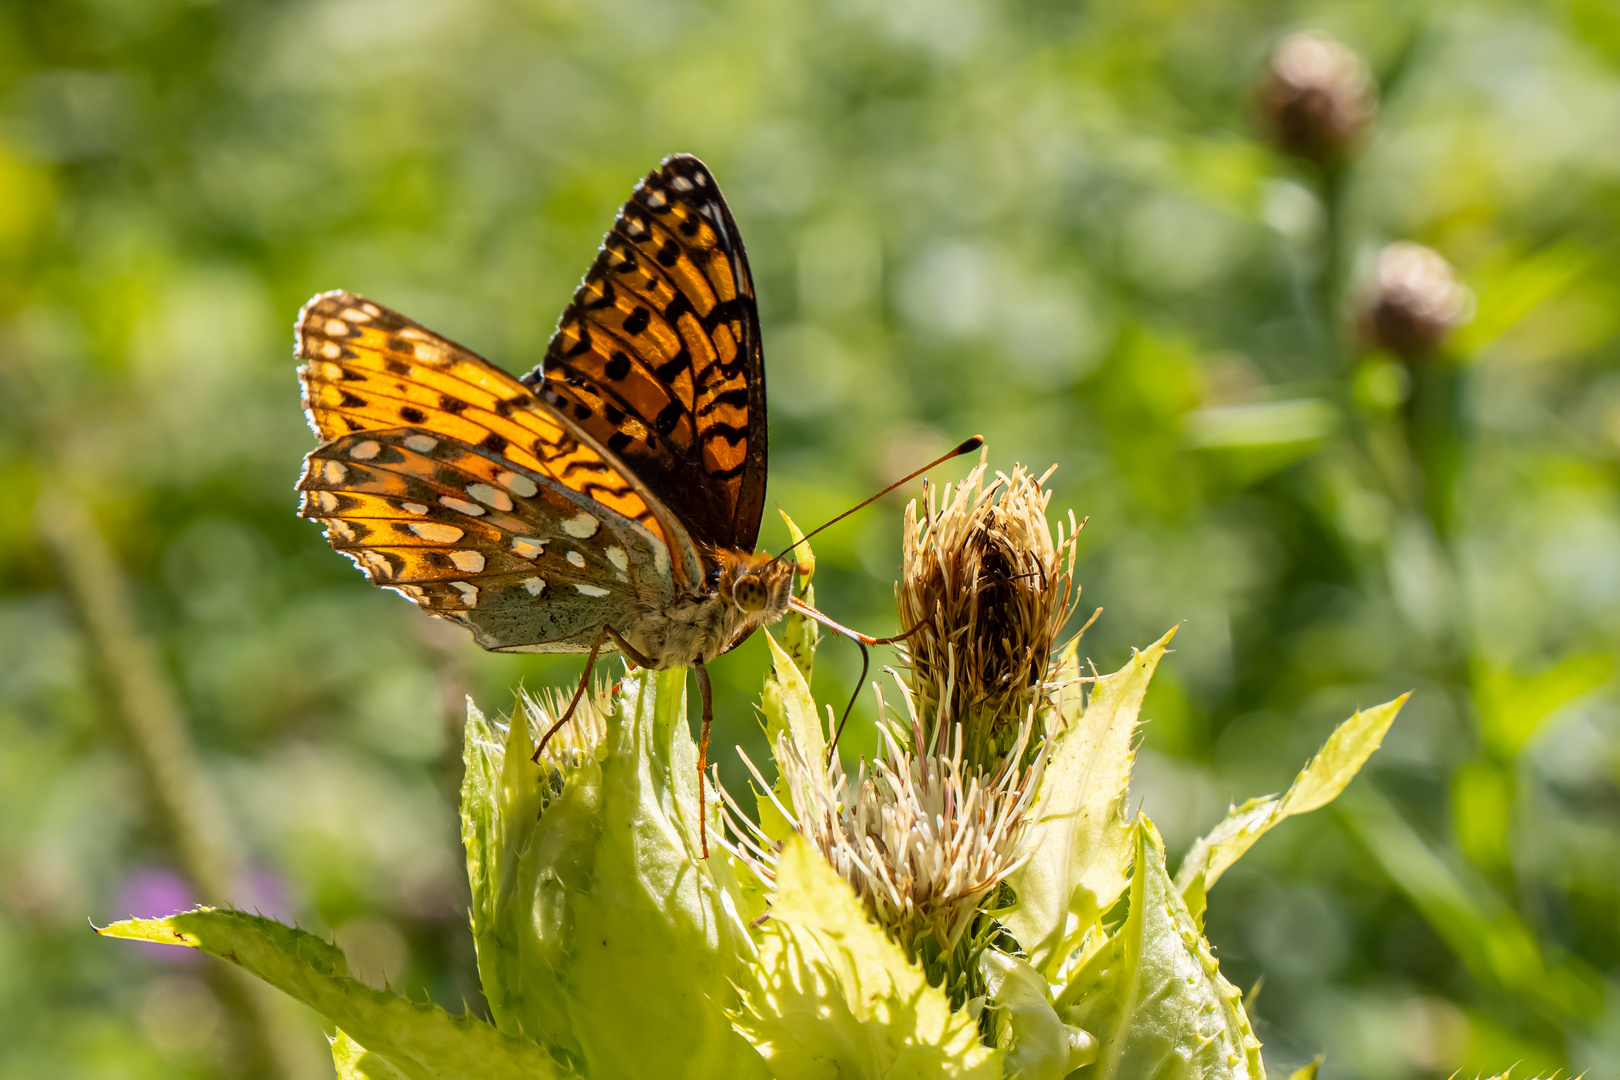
<point x="609" y="499"/>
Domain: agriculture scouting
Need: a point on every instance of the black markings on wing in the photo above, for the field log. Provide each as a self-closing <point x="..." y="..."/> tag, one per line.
<point x="468" y="537"/>
<point x="658" y="356"/>
<point x="371" y="369"/>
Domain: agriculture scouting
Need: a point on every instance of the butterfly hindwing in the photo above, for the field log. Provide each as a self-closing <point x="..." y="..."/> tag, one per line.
<point x="369" y="369"/>
<point x="513" y="555"/>
<point x="658" y="356"/>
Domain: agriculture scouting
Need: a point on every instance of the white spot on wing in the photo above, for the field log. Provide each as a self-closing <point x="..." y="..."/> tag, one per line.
<point x="422" y="444"/>
<point x="470" y="509"/>
<point x="439" y="534"/>
<point x="469" y="593"/>
<point x="655" y="198"/>
<point x="535" y="585"/>
<point x="339" y="528"/>
<point x="365" y="451"/>
<point x="620" y="561"/>
<point x="468" y="562"/>
<point x="518" y="484"/>
<point x="681" y="183"/>
<point x="576" y="558"/>
<point x="527" y="547"/>
<point x="494" y="496"/>
<point x="331" y="350"/>
<point x="590" y="590"/>
<point x="337" y="328"/>
<point x="413" y="508"/>
<point x="335" y="471"/>
<point x="328" y="501"/>
<point x="581" y="525"/>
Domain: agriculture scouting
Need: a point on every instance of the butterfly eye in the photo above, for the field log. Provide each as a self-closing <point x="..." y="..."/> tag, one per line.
<point x="748" y="594"/>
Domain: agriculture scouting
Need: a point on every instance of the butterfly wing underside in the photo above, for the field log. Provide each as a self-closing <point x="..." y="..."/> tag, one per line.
<point x="448" y="481"/>
<point x="658" y="355"/>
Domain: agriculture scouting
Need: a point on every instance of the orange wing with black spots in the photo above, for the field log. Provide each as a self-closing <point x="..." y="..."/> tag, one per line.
<point x="370" y="369"/>
<point x="658" y="356"/>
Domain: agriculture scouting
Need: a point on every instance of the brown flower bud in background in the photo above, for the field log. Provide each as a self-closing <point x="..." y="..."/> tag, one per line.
<point x="991" y="591"/>
<point x="1413" y="301"/>
<point x="1316" y="97"/>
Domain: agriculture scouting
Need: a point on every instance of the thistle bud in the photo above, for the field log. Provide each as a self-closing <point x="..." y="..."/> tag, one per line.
<point x="989" y="591"/>
<point x="1317" y="96"/>
<point x="1413" y="302"/>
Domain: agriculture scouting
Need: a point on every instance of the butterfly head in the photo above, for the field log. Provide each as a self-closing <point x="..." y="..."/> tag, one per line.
<point x="755" y="584"/>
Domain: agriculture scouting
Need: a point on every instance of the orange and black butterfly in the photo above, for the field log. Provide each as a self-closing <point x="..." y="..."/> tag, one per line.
<point x="611" y="498"/>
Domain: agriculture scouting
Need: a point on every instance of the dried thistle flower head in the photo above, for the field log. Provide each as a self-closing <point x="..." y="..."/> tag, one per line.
<point x="921" y="835"/>
<point x="1414" y="301"/>
<point x="1317" y="96"/>
<point x="991" y="590"/>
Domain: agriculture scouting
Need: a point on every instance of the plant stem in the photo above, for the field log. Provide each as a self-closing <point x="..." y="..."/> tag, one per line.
<point x="187" y="807"/>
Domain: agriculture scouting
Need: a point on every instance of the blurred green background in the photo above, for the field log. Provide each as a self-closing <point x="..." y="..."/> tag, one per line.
<point x="1056" y="223"/>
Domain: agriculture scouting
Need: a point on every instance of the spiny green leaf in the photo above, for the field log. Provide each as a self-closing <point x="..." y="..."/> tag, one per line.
<point x="832" y="997"/>
<point x="609" y="869"/>
<point x="1080" y="846"/>
<point x="421" y="1042"/>
<point x="1318" y="784"/>
<point x="355" y="1062"/>
<point x="791" y="711"/>
<point x="1153" y="995"/>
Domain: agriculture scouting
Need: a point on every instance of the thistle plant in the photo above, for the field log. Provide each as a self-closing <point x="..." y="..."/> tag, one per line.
<point x="976" y="900"/>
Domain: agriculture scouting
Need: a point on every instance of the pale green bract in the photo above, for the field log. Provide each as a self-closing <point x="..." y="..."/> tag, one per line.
<point x="833" y="997"/>
<point x="609" y="949"/>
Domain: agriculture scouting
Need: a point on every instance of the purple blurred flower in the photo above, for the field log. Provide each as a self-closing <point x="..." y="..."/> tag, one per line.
<point x="151" y="892"/>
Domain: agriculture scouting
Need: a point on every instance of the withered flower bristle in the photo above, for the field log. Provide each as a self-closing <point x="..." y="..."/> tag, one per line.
<point x="1317" y="96"/>
<point x="989" y="591"/>
<point x="1414" y="301"/>
<point x="922" y="835"/>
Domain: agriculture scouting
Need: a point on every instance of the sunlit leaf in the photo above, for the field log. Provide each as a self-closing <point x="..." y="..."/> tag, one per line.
<point x="1153" y="995"/>
<point x="420" y="1042"/>
<point x="1340" y="758"/>
<point x="832" y="997"/>
<point x="601" y="898"/>
<point x="355" y="1062"/>
<point x="1080" y="845"/>
<point x="1039" y="1045"/>
<point x="1307" y="1071"/>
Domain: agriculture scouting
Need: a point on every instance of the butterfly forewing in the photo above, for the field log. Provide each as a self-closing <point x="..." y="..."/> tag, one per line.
<point x="658" y="356"/>
<point x="371" y="369"/>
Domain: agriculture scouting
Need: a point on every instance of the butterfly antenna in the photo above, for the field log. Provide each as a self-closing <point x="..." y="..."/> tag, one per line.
<point x="966" y="447"/>
<point x="865" y="663"/>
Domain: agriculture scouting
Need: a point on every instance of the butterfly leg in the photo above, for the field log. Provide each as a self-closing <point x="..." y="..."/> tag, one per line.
<point x="703" y="752"/>
<point x="579" y="692"/>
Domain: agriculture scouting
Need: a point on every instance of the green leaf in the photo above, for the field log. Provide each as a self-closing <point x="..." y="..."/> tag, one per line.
<point x="355" y="1062"/>
<point x="1318" y="784"/>
<point x="1080" y="846"/>
<point x="1039" y="1045"/>
<point x="598" y="897"/>
<point x="1153" y="995"/>
<point x="420" y="1042"/>
<point x="1307" y="1071"/>
<point x="832" y="997"/>
<point x="791" y="711"/>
